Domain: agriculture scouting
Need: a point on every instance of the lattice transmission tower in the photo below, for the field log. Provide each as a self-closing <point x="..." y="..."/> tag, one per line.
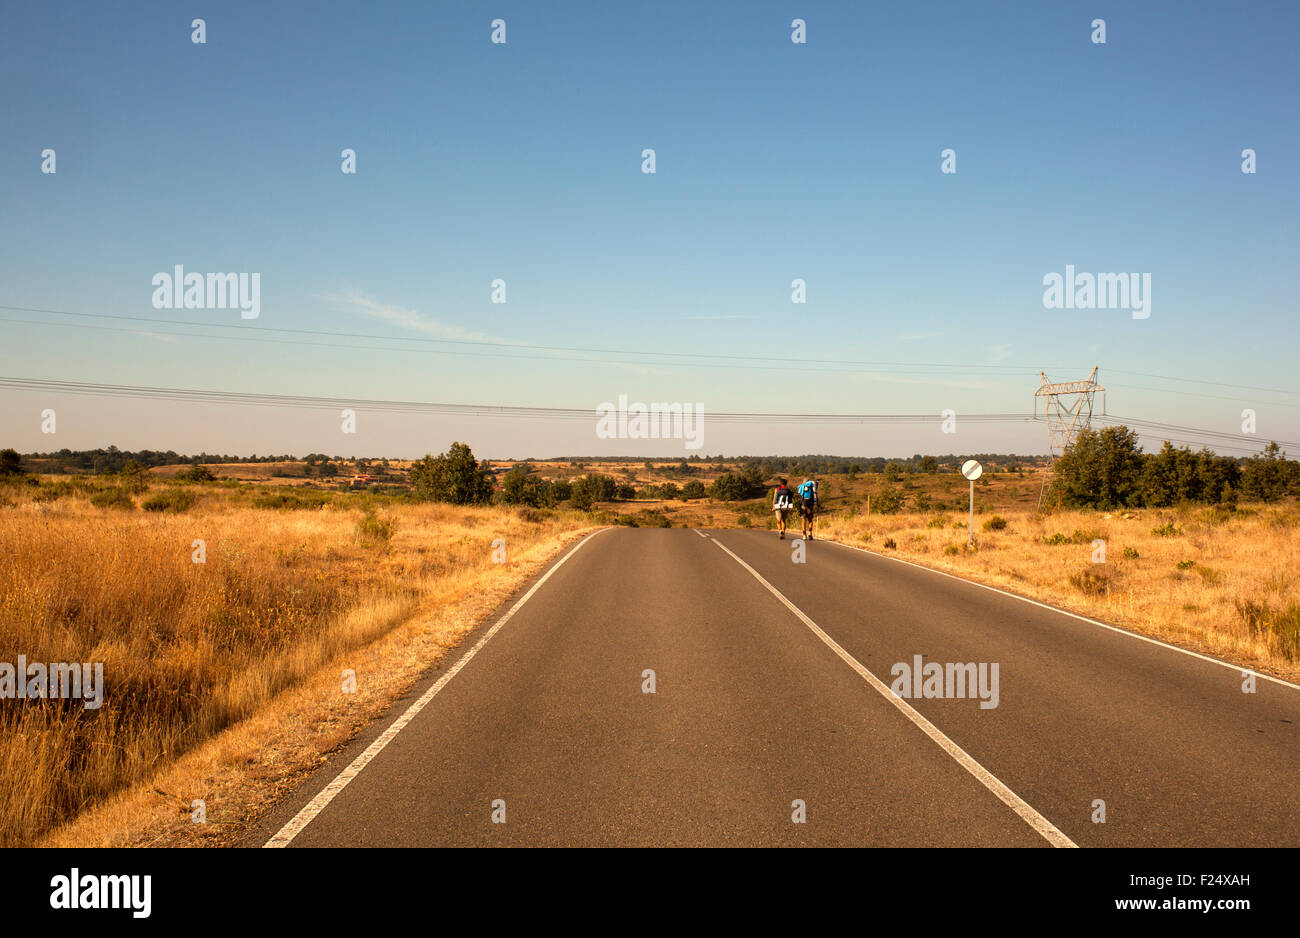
<point x="1068" y="408"/>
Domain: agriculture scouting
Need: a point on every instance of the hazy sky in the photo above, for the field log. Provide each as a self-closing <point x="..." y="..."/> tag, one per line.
<point x="523" y="161"/>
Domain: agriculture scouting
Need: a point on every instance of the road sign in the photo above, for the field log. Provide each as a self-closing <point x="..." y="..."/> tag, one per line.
<point x="972" y="470"/>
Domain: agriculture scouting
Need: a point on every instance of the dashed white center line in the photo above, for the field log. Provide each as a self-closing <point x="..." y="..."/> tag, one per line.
<point x="986" y="778"/>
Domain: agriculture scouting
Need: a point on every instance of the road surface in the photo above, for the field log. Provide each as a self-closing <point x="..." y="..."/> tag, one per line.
<point x="771" y="703"/>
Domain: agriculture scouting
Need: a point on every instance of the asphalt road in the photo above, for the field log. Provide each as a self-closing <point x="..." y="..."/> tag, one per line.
<point x="771" y="700"/>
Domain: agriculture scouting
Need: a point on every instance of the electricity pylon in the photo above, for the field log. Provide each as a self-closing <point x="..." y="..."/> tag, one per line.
<point x="1067" y="406"/>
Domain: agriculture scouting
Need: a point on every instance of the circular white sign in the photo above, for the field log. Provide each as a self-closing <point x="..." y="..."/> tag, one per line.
<point x="971" y="469"/>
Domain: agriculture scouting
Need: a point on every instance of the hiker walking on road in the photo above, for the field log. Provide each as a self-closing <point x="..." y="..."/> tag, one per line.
<point x="807" y="506"/>
<point x="782" y="502"/>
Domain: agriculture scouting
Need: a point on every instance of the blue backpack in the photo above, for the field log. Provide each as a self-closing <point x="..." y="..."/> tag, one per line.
<point x="808" y="491"/>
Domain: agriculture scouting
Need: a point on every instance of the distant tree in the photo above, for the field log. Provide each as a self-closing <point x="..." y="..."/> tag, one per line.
<point x="580" y="496"/>
<point x="593" y="488"/>
<point x="929" y="464"/>
<point x="11" y="464"/>
<point x="693" y="489"/>
<point x="737" y="486"/>
<point x="1100" y="469"/>
<point x="197" y="473"/>
<point x="1219" y="477"/>
<point x="1268" y="475"/>
<point x="514" y="486"/>
<point x="520" y="488"/>
<point x="887" y="501"/>
<point x="454" y="476"/>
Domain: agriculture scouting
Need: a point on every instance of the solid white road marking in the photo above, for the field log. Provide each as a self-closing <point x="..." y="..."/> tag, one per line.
<point x="1073" y="615"/>
<point x="986" y="778"/>
<point x="699" y="532"/>
<point x="327" y="794"/>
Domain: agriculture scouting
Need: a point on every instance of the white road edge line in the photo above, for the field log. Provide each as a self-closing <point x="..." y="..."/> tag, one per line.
<point x="327" y="794"/>
<point x="986" y="778"/>
<point x="1074" y="615"/>
<point x="699" y="532"/>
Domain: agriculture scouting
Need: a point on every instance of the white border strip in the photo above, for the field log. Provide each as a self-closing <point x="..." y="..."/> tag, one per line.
<point x="1074" y="615"/>
<point x="986" y="778"/>
<point x="327" y="794"/>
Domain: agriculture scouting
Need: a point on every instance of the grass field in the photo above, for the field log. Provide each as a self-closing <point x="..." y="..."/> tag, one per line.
<point x="190" y="649"/>
<point x="1220" y="582"/>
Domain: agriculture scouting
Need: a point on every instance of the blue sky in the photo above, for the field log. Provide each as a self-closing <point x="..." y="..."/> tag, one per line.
<point x="522" y="161"/>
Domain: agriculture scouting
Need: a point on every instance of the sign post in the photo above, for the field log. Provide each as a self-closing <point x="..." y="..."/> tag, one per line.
<point x="972" y="470"/>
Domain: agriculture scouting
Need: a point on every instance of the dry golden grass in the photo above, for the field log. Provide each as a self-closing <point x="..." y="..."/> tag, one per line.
<point x="1223" y="583"/>
<point x="191" y="649"/>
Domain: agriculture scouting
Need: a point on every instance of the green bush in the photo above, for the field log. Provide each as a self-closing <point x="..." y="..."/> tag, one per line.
<point x="197" y="473"/>
<point x="10" y="462"/>
<point x="693" y="489"/>
<point x="292" y="501"/>
<point x="1168" y="529"/>
<point x="591" y="488"/>
<point x="737" y="486"/>
<point x="519" y="488"/>
<point x="374" y="531"/>
<point x="454" y="476"/>
<point x="996" y="523"/>
<point x="114" y="497"/>
<point x="173" y="499"/>
<point x="887" y="501"/>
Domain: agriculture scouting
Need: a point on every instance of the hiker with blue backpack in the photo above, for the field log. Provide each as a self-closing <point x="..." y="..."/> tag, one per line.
<point x="807" y="506"/>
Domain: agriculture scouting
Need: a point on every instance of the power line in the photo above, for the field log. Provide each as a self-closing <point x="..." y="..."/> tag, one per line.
<point x="702" y="356"/>
<point x="1223" y="440"/>
<point x="506" y="410"/>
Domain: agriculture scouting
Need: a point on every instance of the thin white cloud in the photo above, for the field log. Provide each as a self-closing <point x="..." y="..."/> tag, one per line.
<point x="405" y="318"/>
<point x="160" y="336"/>
<point x="918" y="337"/>
<point x="1000" y="353"/>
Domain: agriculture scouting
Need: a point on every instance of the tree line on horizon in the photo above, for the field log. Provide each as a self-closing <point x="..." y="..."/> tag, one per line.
<point x="1107" y="469"/>
<point x="1101" y="469"/>
<point x="112" y="460"/>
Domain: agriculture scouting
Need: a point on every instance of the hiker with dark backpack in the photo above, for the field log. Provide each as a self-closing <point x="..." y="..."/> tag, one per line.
<point x="782" y="502"/>
<point x="807" y="506"/>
